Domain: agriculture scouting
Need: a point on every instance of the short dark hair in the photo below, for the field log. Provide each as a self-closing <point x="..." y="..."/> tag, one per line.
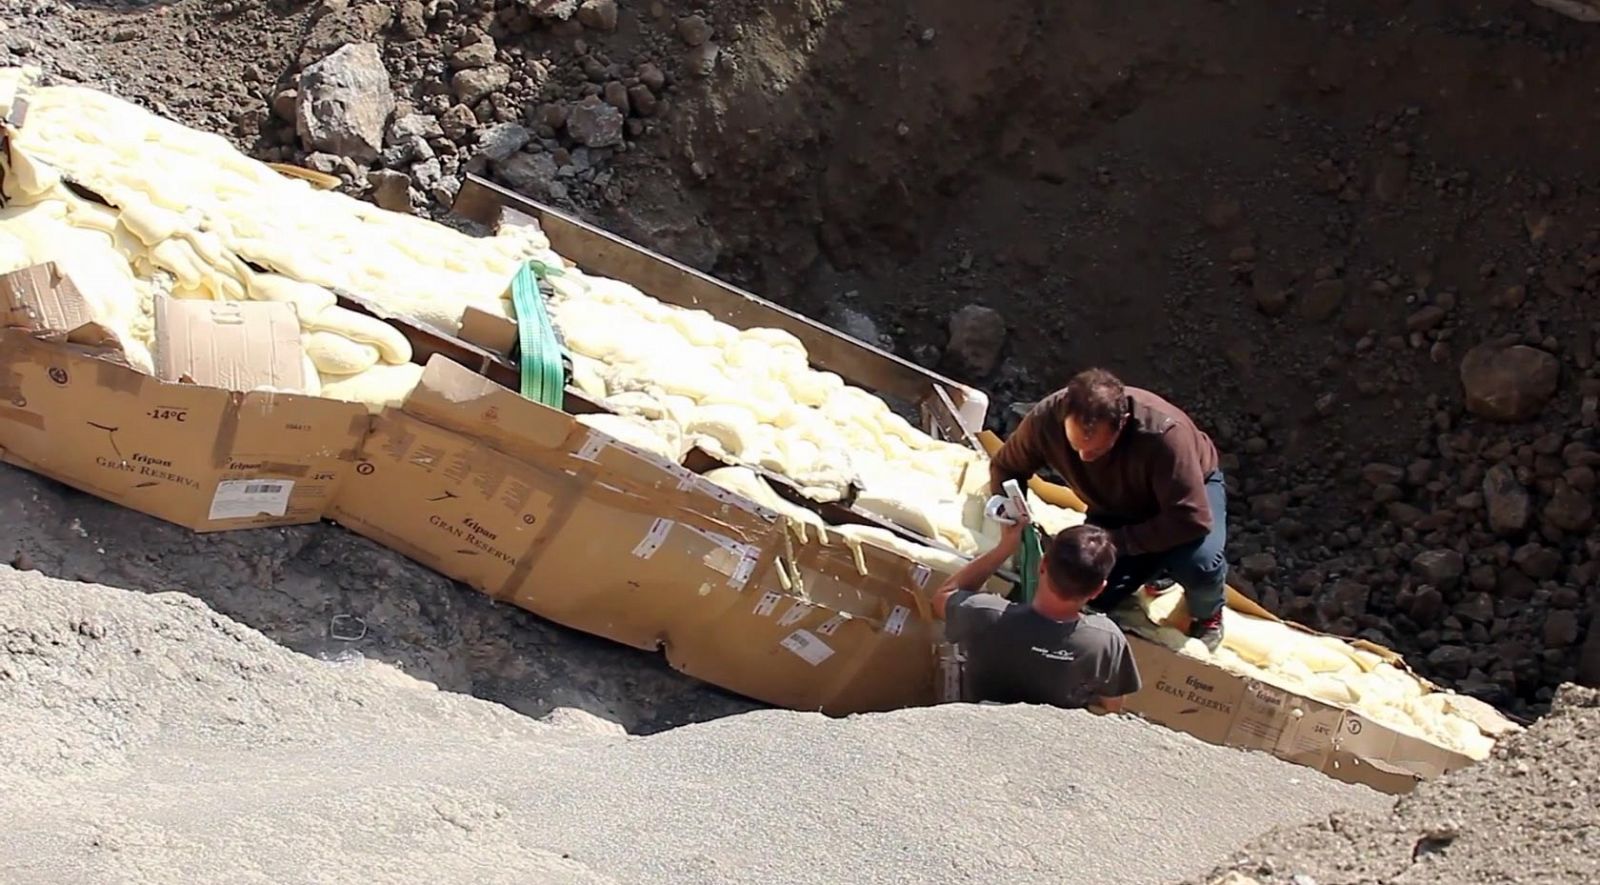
<point x="1079" y="559"/>
<point x="1094" y="396"/>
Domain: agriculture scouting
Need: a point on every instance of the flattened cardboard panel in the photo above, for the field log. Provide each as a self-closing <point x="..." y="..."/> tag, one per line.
<point x="41" y="299"/>
<point x="456" y="398"/>
<point x="447" y="501"/>
<point x="1183" y="693"/>
<point x="232" y="345"/>
<point x="168" y="449"/>
<point x="490" y="332"/>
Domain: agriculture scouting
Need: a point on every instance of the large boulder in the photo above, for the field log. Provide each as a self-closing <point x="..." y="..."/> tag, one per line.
<point x="344" y="103"/>
<point x="1508" y="383"/>
<point x="977" y="334"/>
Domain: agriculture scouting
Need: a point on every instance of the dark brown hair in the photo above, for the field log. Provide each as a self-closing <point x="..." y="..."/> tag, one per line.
<point x="1095" y="396"/>
<point x="1078" y="560"/>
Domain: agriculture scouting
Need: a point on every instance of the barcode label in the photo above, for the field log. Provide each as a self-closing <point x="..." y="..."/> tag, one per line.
<point x="810" y="649"/>
<point x="653" y="539"/>
<point x="795" y="613"/>
<point x="246" y="498"/>
<point x="920" y="574"/>
<point x="748" y="557"/>
<point x="831" y="625"/>
<point x="767" y="604"/>
<point x="897" y="621"/>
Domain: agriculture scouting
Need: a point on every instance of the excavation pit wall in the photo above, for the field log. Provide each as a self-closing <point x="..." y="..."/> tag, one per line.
<point x="530" y="506"/>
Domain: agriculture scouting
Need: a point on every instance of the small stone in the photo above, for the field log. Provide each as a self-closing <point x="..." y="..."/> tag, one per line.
<point x="531" y="174"/>
<point x="1439" y="567"/>
<point x="1560" y="628"/>
<point x="1323" y="300"/>
<point x="473" y="55"/>
<point x="475" y="84"/>
<point x="652" y="77"/>
<point x="1452" y="661"/>
<point x="1259" y="565"/>
<point x="1537" y="562"/>
<point x="1382" y="474"/>
<point x="500" y="141"/>
<point x="1426" y="318"/>
<point x="1477" y="607"/>
<point x="390" y="189"/>
<point x="1269" y="507"/>
<point x="594" y="123"/>
<point x="1508" y="383"/>
<point x="412" y="20"/>
<point x="283" y="105"/>
<point x="616" y="95"/>
<point x="458" y="122"/>
<point x="642" y="100"/>
<point x="694" y="30"/>
<point x="702" y="59"/>
<point x="1507" y="500"/>
<point x="1570" y="509"/>
<point x="1427" y="605"/>
<point x="977" y="334"/>
<point x="1271" y="300"/>
<point x="598" y="15"/>
<point x="344" y="103"/>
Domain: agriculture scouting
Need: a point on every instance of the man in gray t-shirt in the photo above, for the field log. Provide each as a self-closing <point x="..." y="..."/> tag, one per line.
<point x="1049" y="651"/>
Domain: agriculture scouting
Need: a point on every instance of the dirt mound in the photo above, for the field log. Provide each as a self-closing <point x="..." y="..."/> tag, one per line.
<point x="1355" y="242"/>
<point x="152" y="739"/>
<point x="1529" y="814"/>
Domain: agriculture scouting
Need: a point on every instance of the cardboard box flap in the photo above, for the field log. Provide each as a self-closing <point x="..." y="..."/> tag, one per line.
<point x="1489" y="720"/>
<point x="495" y="333"/>
<point x="454" y="397"/>
<point x="43" y="300"/>
<point x="232" y="345"/>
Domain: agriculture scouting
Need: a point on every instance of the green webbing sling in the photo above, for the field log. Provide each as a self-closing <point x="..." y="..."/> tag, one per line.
<point x="1027" y="560"/>
<point x="543" y="376"/>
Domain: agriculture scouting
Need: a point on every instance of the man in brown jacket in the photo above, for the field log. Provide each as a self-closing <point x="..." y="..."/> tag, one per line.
<point x="1150" y="477"/>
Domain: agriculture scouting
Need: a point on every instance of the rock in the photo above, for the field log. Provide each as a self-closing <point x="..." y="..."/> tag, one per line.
<point x="600" y="15"/>
<point x="1536" y="561"/>
<point x="1508" y="383"/>
<point x="1477" y="607"/>
<point x="1323" y="300"/>
<point x="531" y="174"/>
<point x="423" y="126"/>
<point x="616" y="95"/>
<point x="1426" y="318"/>
<point x="1382" y="474"/>
<point x="1427" y="605"/>
<point x="500" y="141"/>
<point x="390" y="189"/>
<point x="1439" y="567"/>
<point x="694" y="30"/>
<point x="284" y="104"/>
<point x="475" y="84"/>
<point x="556" y="9"/>
<point x="1452" y="661"/>
<point x="1269" y="507"/>
<point x="473" y="55"/>
<point x="977" y="334"/>
<point x="1569" y="509"/>
<point x="1560" y="628"/>
<point x="652" y="77"/>
<point x="1350" y="598"/>
<point x="642" y="100"/>
<point x="854" y="323"/>
<point x="1507" y="500"/>
<point x="1271" y="300"/>
<point x="458" y="122"/>
<point x="1259" y="565"/>
<point x="702" y="59"/>
<point x="344" y="102"/>
<point x="1589" y="656"/>
<point x="412" y="21"/>
<point x="594" y="123"/>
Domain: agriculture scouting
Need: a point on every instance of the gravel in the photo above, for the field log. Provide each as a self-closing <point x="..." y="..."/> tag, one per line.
<point x="151" y="739"/>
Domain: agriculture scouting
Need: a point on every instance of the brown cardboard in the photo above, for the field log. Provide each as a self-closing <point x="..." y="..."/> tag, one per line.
<point x="43" y="300"/>
<point x="201" y="457"/>
<point x="234" y="345"/>
<point x="529" y="505"/>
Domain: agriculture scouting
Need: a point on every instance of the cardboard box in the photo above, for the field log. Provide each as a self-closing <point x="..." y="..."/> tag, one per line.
<point x="234" y="345"/>
<point x="205" y="458"/>
<point x="529" y="505"/>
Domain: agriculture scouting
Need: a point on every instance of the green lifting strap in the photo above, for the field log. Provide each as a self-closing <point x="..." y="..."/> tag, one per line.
<point x="1027" y="560"/>
<point x="543" y="376"/>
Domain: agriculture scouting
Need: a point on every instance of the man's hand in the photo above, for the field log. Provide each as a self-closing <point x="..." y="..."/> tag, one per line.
<point x="1011" y="535"/>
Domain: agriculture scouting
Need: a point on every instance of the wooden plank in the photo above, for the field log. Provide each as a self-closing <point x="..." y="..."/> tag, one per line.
<point x="426" y="341"/>
<point x="605" y="254"/>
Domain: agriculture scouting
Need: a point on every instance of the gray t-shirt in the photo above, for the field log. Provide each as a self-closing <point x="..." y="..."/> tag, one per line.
<point x="1016" y="655"/>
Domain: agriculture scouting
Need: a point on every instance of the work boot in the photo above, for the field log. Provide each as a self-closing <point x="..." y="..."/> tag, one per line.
<point x="1158" y="586"/>
<point x="1208" y="631"/>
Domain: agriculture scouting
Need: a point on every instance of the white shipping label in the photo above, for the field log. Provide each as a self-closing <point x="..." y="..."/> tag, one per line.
<point x="897" y="621"/>
<point x="795" y="613"/>
<point x="241" y="498"/>
<point x="768" y="603"/>
<point x="748" y="557"/>
<point x="831" y="625"/>
<point x="920" y="574"/>
<point x="592" y="446"/>
<point x="810" y="649"/>
<point x="653" y="539"/>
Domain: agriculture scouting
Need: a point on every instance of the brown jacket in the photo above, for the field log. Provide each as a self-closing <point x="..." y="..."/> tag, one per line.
<point x="1151" y="483"/>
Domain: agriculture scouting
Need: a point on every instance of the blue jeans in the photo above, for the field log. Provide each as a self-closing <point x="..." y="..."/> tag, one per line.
<point x="1200" y="566"/>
